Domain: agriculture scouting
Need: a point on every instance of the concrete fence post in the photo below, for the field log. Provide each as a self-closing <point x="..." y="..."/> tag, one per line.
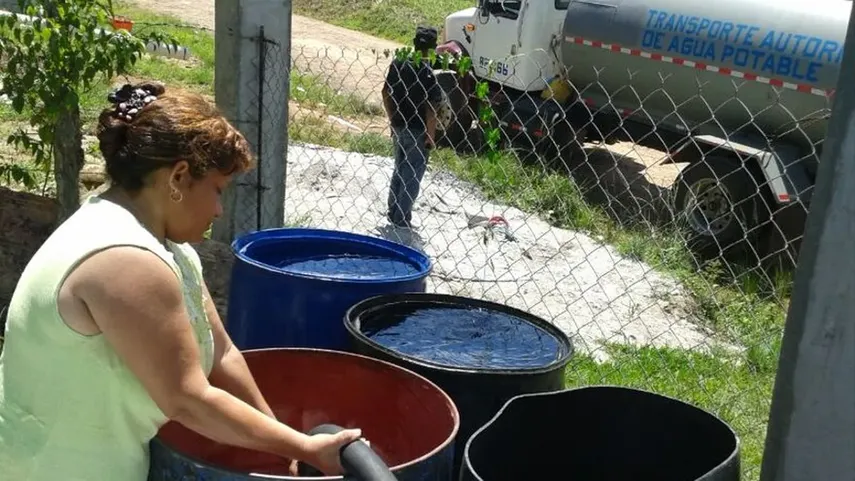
<point x="811" y="433"/>
<point x="252" y="89"/>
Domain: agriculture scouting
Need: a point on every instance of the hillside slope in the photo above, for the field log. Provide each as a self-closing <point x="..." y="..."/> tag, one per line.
<point x="348" y="61"/>
<point x="391" y="19"/>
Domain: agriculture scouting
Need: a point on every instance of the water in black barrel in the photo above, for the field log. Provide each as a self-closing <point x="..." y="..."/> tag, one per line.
<point x="481" y="353"/>
<point x="466" y="337"/>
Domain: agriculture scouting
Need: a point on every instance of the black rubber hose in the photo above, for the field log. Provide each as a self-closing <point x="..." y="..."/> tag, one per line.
<point x="357" y="459"/>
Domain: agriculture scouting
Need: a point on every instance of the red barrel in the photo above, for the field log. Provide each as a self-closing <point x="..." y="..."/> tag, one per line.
<point x="409" y="421"/>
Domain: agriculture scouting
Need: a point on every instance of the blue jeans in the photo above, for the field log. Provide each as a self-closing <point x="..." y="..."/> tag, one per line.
<point x="411" y="158"/>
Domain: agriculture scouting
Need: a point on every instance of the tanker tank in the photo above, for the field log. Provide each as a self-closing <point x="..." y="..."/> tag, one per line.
<point x="711" y="67"/>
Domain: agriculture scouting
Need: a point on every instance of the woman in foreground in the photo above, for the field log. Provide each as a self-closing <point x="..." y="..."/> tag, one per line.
<point x="111" y="330"/>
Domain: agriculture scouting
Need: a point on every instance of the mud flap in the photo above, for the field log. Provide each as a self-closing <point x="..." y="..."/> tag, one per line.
<point x="790" y="188"/>
<point x="781" y="165"/>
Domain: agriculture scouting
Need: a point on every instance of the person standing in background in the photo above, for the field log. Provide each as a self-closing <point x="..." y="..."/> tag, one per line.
<point x="411" y="96"/>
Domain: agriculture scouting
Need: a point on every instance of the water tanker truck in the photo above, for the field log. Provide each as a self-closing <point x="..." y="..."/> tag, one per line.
<point x="740" y="90"/>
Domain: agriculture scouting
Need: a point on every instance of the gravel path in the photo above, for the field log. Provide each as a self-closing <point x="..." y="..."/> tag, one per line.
<point x="584" y="287"/>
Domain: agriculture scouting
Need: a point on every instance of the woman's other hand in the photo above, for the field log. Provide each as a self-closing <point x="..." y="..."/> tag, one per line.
<point x="324" y="450"/>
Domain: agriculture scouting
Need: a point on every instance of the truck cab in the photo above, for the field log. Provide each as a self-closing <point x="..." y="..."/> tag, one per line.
<point x="511" y="42"/>
<point x="514" y="46"/>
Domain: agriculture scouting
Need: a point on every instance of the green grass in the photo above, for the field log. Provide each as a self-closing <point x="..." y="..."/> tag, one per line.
<point x="311" y="91"/>
<point x="741" y="308"/>
<point x="320" y="132"/>
<point x="391" y="19"/>
<point x="719" y="384"/>
<point x="196" y="75"/>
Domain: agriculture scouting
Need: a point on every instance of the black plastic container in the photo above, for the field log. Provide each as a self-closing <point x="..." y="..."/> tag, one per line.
<point x="602" y="433"/>
<point x="478" y="392"/>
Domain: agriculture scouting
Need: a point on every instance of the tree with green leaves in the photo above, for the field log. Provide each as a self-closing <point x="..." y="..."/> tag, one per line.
<point x="463" y="64"/>
<point x="48" y="58"/>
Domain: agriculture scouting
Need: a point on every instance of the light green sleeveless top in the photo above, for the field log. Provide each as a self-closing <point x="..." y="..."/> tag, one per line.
<point x="70" y="409"/>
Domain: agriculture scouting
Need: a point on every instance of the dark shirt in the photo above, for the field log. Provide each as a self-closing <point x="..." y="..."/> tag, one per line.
<point x="410" y="90"/>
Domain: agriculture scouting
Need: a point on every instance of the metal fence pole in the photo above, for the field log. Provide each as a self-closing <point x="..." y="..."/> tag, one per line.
<point x="285" y="79"/>
<point x="259" y="175"/>
<point x="811" y="434"/>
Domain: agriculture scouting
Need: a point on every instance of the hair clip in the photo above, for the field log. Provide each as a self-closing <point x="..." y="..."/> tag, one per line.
<point x="129" y="100"/>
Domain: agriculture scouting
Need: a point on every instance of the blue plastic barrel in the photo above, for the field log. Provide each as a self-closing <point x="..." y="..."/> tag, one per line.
<point x="291" y="287"/>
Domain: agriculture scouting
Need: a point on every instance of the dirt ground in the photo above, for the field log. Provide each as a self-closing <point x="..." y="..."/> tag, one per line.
<point x="350" y="61"/>
<point x="26" y="220"/>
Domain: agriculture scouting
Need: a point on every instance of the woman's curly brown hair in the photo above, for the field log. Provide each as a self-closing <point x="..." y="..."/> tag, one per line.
<point x="177" y="125"/>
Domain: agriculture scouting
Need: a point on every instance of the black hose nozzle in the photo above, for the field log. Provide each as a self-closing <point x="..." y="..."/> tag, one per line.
<point x="357" y="459"/>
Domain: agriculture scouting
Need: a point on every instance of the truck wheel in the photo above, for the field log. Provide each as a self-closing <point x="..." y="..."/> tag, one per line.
<point x="456" y="133"/>
<point x="720" y="205"/>
<point x="564" y="149"/>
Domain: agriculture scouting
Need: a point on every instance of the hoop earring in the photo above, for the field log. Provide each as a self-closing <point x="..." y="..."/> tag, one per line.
<point x="176" y="196"/>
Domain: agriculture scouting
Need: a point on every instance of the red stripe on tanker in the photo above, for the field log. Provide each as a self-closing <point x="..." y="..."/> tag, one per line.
<point x="806" y="88"/>
<point x="767" y="63"/>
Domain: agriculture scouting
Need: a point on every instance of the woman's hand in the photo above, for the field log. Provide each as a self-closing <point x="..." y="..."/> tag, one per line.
<point x="324" y="450"/>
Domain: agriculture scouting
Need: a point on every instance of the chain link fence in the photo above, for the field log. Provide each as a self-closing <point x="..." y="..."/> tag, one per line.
<point x="620" y="171"/>
<point x="650" y="208"/>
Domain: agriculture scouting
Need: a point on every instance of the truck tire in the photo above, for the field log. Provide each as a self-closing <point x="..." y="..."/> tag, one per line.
<point x="719" y="204"/>
<point x="564" y="150"/>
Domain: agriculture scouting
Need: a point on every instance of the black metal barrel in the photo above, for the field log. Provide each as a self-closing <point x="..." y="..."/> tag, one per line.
<point x="481" y="353"/>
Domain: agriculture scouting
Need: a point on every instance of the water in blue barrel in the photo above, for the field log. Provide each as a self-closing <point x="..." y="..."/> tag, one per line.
<point x="466" y="337"/>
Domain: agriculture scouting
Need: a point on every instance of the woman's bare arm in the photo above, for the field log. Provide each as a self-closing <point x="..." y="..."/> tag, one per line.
<point x="230" y="372"/>
<point x="136" y="301"/>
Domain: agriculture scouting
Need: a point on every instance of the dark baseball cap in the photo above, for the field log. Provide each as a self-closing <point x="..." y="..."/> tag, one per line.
<point x="425" y="38"/>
